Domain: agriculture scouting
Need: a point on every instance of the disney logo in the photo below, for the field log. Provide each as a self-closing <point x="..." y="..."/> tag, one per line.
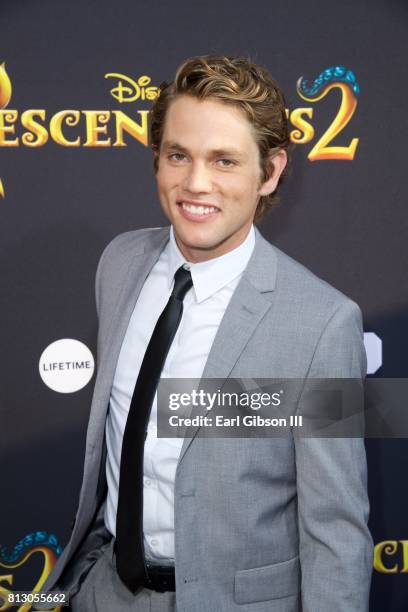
<point x="129" y="90"/>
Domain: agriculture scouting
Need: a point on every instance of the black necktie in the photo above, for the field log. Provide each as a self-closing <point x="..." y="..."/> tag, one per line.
<point x="129" y="547"/>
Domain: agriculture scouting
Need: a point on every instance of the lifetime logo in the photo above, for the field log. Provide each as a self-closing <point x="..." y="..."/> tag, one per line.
<point x="66" y="365"/>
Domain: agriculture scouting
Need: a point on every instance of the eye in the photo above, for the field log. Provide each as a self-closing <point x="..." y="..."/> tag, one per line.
<point x="225" y="163"/>
<point x="177" y="157"/>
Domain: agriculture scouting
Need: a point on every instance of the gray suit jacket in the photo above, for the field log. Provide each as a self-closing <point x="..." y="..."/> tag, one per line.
<point x="265" y="525"/>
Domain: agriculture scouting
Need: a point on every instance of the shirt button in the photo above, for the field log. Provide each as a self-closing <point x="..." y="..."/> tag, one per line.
<point x="154" y="542"/>
<point x="147" y="482"/>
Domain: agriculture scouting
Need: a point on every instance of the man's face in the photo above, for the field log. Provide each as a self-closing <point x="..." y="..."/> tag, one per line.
<point x="209" y="176"/>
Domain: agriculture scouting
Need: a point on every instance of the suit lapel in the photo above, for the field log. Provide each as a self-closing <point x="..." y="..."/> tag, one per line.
<point x="251" y="300"/>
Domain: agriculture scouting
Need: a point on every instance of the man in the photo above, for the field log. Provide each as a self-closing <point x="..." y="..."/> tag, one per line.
<point x="210" y="525"/>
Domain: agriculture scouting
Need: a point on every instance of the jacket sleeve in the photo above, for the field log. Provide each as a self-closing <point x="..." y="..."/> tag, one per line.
<point x="335" y="544"/>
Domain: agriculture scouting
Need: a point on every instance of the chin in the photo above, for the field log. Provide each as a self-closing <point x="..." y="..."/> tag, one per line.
<point x="197" y="243"/>
<point x="195" y="232"/>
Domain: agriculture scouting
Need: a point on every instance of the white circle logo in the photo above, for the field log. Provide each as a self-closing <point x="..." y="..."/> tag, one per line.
<point x="66" y="365"/>
<point x="373" y="347"/>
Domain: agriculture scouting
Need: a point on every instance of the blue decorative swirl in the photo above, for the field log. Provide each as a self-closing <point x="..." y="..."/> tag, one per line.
<point x="37" y="538"/>
<point x="330" y="75"/>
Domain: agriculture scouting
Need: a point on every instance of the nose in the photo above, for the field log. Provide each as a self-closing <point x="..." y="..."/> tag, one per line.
<point x="197" y="178"/>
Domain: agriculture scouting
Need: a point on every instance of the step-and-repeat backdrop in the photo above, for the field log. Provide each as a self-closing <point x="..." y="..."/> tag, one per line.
<point x="77" y="80"/>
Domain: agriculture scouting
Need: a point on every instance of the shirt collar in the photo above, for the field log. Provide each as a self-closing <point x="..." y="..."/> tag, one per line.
<point x="212" y="275"/>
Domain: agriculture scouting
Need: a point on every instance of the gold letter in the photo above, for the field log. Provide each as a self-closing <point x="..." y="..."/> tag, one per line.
<point x="93" y="129"/>
<point x="125" y="123"/>
<point x="36" y="129"/>
<point x="390" y="547"/>
<point x="301" y="125"/>
<point x="71" y="117"/>
<point x="11" y="117"/>
<point x="404" y="556"/>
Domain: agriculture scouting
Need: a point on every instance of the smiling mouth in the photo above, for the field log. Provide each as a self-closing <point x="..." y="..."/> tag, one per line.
<point x="198" y="209"/>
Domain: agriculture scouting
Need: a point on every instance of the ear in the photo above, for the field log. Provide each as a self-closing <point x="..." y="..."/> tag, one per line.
<point x="278" y="161"/>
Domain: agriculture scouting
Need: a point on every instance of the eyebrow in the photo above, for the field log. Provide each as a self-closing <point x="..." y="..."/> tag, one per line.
<point x="168" y="146"/>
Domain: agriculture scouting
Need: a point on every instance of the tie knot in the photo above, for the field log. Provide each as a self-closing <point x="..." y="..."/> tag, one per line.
<point x="182" y="283"/>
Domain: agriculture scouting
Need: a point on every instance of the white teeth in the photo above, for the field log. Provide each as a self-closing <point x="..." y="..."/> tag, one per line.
<point x="198" y="210"/>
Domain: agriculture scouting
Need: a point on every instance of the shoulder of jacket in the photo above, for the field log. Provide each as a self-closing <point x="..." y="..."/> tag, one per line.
<point x="310" y="287"/>
<point x="131" y="242"/>
<point x="134" y="239"/>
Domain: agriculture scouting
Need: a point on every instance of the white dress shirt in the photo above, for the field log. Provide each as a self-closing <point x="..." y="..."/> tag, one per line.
<point x="204" y="305"/>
